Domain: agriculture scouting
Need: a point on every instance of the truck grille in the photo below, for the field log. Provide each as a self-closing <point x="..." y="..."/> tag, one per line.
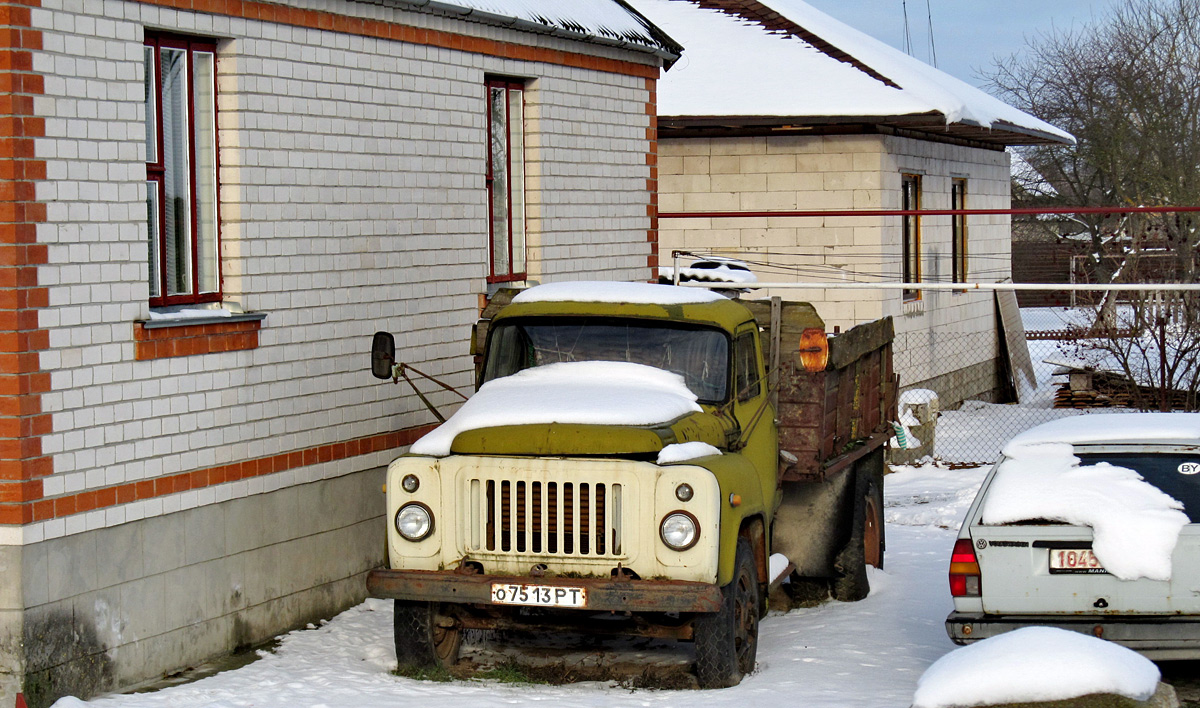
<point x="543" y="517"/>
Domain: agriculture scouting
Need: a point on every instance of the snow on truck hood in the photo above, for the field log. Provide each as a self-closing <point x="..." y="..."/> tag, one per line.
<point x="585" y="392"/>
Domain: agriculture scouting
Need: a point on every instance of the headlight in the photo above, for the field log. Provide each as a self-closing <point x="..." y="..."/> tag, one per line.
<point x="414" y="521"/>
<point x="679" y="530"/>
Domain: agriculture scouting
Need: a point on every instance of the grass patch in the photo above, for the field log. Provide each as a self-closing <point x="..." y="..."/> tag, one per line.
<point x="513" y="672"/>
<point x="431" y="673"/>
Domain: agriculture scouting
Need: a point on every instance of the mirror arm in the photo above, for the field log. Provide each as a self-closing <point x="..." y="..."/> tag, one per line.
<point x="400" y="371"/>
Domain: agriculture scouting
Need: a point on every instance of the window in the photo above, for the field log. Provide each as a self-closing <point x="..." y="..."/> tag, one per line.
<point x="181" y="170"/>
<point x="506" y="180"/>
<point x="958" y="231"/>
<point x="911" y="268"/>
<point x="746" y="384"/>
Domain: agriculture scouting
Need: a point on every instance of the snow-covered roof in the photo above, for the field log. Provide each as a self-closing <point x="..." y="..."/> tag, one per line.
<point x="606" y="21"/>
<point x="784" y="59"/>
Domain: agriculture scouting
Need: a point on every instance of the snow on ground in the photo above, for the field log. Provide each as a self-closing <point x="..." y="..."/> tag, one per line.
<point x="866" y="654"/>
<point x="1035" y="664"/>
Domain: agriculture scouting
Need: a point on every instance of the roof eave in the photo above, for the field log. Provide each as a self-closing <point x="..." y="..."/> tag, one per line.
<point x="932" y="122"/>
<point x="667" y="50"/>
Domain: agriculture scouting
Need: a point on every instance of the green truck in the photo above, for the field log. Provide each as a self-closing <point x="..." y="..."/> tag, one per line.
<point x="633" y="457"/>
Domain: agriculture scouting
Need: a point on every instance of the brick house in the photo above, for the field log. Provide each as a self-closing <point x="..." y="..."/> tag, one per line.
<point x="836" y="120"/>
<point x="209" y="207"/>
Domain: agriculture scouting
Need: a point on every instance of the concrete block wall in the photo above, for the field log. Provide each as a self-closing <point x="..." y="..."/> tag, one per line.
<point x="244" y="485"/>
<point x="847" y="172"/>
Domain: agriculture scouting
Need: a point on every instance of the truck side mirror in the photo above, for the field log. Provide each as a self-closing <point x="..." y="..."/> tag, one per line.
<point x="383" y="355"/>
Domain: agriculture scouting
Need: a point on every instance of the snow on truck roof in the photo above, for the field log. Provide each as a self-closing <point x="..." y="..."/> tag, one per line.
<point x="614" y="292"/>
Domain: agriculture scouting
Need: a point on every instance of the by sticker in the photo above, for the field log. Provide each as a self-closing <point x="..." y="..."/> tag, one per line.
<point x="1189" y="468"/>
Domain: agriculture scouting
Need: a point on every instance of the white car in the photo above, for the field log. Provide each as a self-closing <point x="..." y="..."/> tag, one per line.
<point x="1088" y="523"/>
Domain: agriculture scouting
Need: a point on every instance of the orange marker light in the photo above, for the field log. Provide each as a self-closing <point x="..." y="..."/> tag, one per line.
<point x="735" y="500"/>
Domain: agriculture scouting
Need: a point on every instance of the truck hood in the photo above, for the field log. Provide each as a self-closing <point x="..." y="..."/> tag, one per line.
<point x="573" y="408"/>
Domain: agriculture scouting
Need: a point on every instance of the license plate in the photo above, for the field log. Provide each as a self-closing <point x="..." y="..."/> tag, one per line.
<point x="1075" y="560"/>
<point x="538" y="595"/>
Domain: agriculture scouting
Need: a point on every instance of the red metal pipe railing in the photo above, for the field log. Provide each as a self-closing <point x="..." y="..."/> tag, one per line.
<point x="926" y="212"/>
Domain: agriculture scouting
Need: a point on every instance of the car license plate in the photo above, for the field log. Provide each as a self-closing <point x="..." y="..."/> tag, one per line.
<point x="538" y="595"/>
<point x="1075" y="560"/>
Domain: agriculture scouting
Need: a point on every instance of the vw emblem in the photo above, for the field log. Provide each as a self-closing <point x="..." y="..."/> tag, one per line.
<point x="981" y="544"/>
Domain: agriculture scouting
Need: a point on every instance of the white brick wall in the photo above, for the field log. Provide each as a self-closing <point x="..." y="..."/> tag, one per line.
<point x="352" y="199"/>
<point x="848" y="172"/>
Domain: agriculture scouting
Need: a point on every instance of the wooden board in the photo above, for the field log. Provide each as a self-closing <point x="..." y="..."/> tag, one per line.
<point x="1018" y="350"/>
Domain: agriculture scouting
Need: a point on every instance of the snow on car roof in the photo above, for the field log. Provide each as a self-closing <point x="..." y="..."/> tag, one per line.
<point x="614" y="292"/>
<point x="791" y="77"/>
<point x="1135" y="525"/>
<point x="1167" y="428"/>
<point x="579" y="392"/>
<point x="1035" y="665"/>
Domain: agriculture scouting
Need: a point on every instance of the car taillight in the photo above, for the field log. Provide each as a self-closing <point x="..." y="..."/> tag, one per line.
<point x="964" y="570"/>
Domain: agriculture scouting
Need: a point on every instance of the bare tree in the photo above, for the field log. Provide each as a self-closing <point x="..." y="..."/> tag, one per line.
<point x="1128" y="88"/>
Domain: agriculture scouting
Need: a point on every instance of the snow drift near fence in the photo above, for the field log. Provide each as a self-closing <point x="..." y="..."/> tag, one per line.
<point x="1134" y="524"/>
<point x="1035" y="664"/>
<point x="580" y="392"/>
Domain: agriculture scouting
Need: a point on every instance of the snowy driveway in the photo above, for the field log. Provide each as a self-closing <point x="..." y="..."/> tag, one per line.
<point x="866" y="654"/>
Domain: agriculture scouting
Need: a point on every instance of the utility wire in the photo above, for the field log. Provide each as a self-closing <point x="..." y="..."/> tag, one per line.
<point x="932" y="48"/>
<point x="907" y="34"/>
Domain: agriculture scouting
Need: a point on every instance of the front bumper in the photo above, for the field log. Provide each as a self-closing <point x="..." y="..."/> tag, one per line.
<point x="1154" y="636"/>
<point x="604" y="594"/>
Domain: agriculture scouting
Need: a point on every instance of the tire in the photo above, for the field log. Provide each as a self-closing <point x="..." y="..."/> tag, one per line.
<point x="874" y="541"/>
<point x="424" y="637"/>
<point x="727" y="641"/>
<point x="865" y="545"/>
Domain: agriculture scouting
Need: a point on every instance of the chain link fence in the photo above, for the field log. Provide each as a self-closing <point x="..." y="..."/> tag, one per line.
<point x="1107" y="352"/>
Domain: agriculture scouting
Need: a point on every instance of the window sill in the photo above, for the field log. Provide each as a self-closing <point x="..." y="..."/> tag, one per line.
<point x="186" y="336"/>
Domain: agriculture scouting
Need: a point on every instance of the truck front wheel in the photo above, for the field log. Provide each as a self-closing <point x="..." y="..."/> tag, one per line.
<point x="425" y="638"/>
<point x="727" y="641"/>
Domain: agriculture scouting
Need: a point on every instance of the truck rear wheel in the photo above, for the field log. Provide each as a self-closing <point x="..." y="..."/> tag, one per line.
<point x="727" y="641"/>
<point x="424" y="637"/>
<point x="866" y="543"/>
<point x="873" y="528"/>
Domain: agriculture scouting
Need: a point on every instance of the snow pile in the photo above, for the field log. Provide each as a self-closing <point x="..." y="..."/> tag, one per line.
<point x="613" y="292"/>
<point x="1134" y="524"/>
<point x="583" y="392"/>
<point x="715" y="270"/>
<point x="682" y="452"/>
<point x="1035" y="664"/>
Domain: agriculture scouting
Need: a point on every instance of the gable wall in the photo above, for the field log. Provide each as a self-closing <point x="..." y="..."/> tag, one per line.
<point x="944" y="333"/>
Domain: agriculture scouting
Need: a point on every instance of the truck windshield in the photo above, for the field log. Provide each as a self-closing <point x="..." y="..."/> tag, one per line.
<point x="699" y="354"/>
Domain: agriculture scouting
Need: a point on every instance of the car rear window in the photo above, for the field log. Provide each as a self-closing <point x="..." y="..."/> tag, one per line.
<point x="1175" y="474"/>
